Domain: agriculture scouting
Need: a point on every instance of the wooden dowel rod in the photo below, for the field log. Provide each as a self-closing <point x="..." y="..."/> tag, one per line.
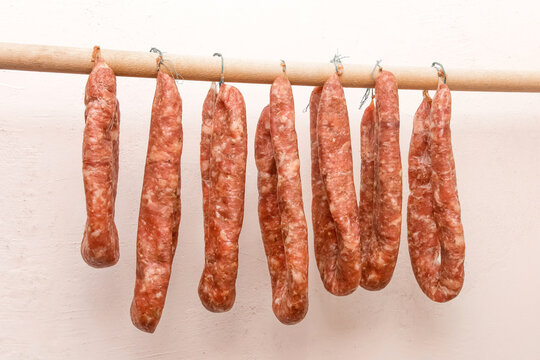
<point x="143" y="64"/>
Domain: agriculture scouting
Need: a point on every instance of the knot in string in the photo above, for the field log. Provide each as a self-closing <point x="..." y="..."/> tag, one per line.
<point x="336" y="60"/>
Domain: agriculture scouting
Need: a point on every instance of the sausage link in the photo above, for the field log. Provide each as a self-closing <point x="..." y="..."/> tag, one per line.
<point x="224" y="210"/>
<point x="324" y="228"/>
<point x="334" y="207"/>
<point x="281" y="210"/>
<point x="99" y="247"/>
<point x="159" y="214"/>
<point x="209" y="106"/>
<point x="380" y="190"/>
<point x="435" y="232"/>
<point x="286" y="309"/>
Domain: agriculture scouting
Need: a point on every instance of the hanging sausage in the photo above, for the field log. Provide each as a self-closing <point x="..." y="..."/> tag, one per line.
<point x="334" y="208"/>
<point x="435" y="233"/>
<point x="99" y="247"/>
<point x="380" y="188"/>
<point x="159" y="214"/>
<point x="223" y="173"/>
<point x="281" y="210"/>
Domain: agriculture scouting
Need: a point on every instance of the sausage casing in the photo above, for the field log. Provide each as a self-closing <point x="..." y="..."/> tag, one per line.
<point x="381" y="185"/>
<point x="223" y="172"/>
<point x="99" y="247"/>
<point x="159" y="214"/>
<point x="281" y="214"/>
<point x="334" y="208"/>
<point x="435" y="233"/>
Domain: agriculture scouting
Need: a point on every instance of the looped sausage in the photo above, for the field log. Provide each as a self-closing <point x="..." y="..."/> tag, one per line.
<point x="435" y="232"/>
<point x="281" y="210"/>
<point x="334" y="208"/>
<point x="99" y="247"/>
<point x="223" y="173"/>
<point x="159" y="214"/>
<point x="380" y="189"/>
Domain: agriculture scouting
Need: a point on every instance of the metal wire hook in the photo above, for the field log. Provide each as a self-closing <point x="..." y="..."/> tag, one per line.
<point x="156" y="50"/>
<point x="283" y="66"/>
<point x="438" y="65"/>
<point x="377" y="65"/>
<point x="222" y="79"/>
<point x="174" y="73"/>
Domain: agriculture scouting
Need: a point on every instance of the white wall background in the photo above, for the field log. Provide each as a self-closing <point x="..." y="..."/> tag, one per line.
<point x="53" y="306"/>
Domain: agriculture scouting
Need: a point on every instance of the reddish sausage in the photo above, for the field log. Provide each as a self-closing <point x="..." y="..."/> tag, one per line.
<point x="99" y="247"/>
<point x="435" y="233"/>
<point x="281" y="209"/>
<point x="334" y="208"/>
<point x="380" y="189"/>
<point x="209" y="106"/>
<point x="224" y="173"/>
<point x="159" y="215"/>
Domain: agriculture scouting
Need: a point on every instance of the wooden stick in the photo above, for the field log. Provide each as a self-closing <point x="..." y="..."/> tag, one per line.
<point x="143" y="64"/>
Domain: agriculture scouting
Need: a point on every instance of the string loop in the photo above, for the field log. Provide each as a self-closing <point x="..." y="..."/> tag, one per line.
<point x="365" y="97"/>
<point x="336" y="60"/>
<point x="96" y="53"/>
<point x="377" y="65"/>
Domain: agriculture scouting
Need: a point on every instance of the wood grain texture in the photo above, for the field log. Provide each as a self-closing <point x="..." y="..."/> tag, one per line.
<point x="143" y="64"/>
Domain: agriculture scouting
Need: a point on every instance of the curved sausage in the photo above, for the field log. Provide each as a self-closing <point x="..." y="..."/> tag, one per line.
<point x="380" y="189"/>
<point x="224" y="209"/>
<point x="99" y="247"/>
<point x="334" y="208"/>
<point x="159" y="214"/>
<point x="281" y="210"/>
<point x="435" y="233"/>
